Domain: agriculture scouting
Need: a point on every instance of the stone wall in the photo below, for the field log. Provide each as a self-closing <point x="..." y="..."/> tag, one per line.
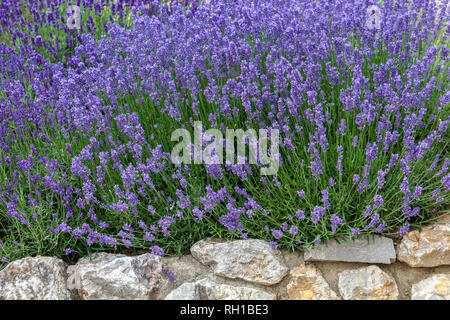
<point x="417" y="267"/>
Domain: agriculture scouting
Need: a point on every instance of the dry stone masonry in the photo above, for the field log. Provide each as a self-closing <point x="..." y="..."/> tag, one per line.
<point x="38" y="278"/>
<point x="248" y="270"/>
<point x="250" y="260"/>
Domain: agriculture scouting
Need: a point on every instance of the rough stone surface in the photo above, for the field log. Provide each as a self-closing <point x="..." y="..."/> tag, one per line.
<point x="116" y="276"/>
<point x="250" y="260"/>
<point x="436" y="287"/>
<point x="428" y="248"/>
<point x="181" y="269"/>
<point x="306" y="283"/>
<point x="369" y="283"/>
<point x="373" y="250"/>
<point x="207" y="289"/>
<point x="34" y="278"/>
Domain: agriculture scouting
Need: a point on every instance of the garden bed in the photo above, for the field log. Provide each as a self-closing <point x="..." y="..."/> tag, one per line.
<point x="417" y="268"/>
<point x="356" y="118"/>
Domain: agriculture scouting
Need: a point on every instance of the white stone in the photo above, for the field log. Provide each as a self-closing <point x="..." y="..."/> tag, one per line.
<point x="34" y="278"/>
<point x="372" y="250"/>
<point x="116" y="276"/>
<point x="436" y="287"/>
<point x="250" y="260"/>
<point x="370" y="283"/>
<point x="206" y="289"/>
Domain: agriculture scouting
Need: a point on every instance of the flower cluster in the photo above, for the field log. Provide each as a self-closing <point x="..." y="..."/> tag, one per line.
<point x="86" y="116"/>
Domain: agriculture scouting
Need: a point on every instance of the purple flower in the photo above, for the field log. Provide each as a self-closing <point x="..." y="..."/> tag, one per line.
<point x="417" y="192"/>
<point x="103" y="225"/>
<point x="317" y="242"/>
<point x="403" y="230"/>
<point x="435" y="162"/>
<point x="371" y="152"/>
<point x="444" y="168"/>
<point x="300" y="214"/>
<point x="316" y="167"/>
<point x="414" y="212"/>
<point x="378" y="201"/>
<point x="404" y="186"/>
<point x="331" y="182"/>
<point x="404" y="167"/>
<point x="68" y="149"/>
<point x="446" y="182"/>
<point x="374" y="221"/>
<point x="335" y="222"/>
<point x="393" y="161"/>
<point x="293" y="230"/>
<point x="317" y="214"/>
<point x="436" y="193"/>
<point x="301" y="194"/>
<point x="368" y="211"/>
<point x="127" y="227"/>
<point x="341" y="127"/>
<point x="380" y="227"/>
<point x="381" y="178"/>
<point x="312" y="97"/>
<point x="355" y="232"/>
<point x="273" y="245"/>
<point x="325" y="198"/>
<point x="149" y="237"/>
<point x="142" y="225"/>
<point x="157" y="250"/>
<point x="198" y="214"/>
<point x="75" y="107"/>
<point x="277" y="234"/>
<point x="169" y="274"/>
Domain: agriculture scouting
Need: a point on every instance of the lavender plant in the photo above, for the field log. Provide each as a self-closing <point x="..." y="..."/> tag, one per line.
<point x="86" y="117"/>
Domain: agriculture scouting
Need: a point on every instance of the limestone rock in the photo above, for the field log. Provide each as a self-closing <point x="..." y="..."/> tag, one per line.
<point x="428" y="248"/>
<point x="373" y="250"/>
<point x="206" y="289"/>
<point x="179" y="270"/>
<point x="249" y="260"/>
<point x="436" y="287"/>
<point x="369" y="283"/>
<point x="116" y="276"/>
<point x="34" y="278"/>
<point x="307" y="283"/>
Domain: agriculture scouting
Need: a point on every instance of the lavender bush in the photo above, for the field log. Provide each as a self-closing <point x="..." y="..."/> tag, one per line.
<point x="86" y="116"/>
